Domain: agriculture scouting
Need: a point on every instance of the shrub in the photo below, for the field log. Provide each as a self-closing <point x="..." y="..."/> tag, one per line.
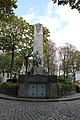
<point x="8" y="84"/>
<point x="67" y="87"/>
<point x="77" y="86"/>
<point x="12" y="80"/>
<point x="59" y="85"/>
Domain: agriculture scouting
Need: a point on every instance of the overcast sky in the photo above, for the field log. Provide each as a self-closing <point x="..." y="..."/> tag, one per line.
<point x="62" y="22"/>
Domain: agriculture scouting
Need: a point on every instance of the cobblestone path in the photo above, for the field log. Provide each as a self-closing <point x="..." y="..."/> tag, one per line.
<point x="20" y="110"/>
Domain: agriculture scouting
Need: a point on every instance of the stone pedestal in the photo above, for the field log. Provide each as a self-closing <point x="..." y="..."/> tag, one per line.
<point x="38" y="70"/>
<point x="53" y="90"/>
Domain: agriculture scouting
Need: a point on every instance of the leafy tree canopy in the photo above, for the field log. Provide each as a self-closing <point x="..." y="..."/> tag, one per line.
<point x="6" y="8"/>
<point x="72" y="3"/>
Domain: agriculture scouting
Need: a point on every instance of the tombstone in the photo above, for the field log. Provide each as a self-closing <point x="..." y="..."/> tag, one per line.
<point x="38" y="49"/>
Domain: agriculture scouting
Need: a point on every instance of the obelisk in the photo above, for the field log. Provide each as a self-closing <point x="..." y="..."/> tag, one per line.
<point x="38" y="46"/>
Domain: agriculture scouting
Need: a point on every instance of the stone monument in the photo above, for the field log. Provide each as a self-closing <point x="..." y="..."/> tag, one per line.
<point x="37" y="84"/>
<point x="38" y="49"/>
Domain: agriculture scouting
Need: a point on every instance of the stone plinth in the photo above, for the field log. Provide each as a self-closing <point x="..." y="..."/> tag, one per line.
<point x="38" y="70"/>
<point x="37" y="86"/>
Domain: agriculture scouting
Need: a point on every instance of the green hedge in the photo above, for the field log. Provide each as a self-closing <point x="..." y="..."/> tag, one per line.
<point x="67" y="86"/>
<point x="8" y="84"/>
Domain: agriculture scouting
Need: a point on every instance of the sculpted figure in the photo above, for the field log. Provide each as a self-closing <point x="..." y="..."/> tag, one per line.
<point x="36" y="59"/>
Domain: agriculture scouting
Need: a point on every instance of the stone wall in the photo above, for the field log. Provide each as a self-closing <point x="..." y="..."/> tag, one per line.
<point x="53" y="93"/>
<point x="22" y="90"/>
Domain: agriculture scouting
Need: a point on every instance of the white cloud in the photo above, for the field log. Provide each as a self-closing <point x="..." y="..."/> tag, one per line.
<point x="71" y="32"/>
<point x="49" y="8"/>
<point x="29" y="17"/>
<point x="54" y="20"/>
<point x="51" y="23"/>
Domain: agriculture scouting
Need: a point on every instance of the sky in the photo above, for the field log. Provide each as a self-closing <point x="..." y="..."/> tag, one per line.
<point x="62" y="22"/>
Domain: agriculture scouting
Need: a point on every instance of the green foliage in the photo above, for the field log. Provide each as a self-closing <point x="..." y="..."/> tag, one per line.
<point x="16" y="40"/>
<point x="69" y="60"/>
<point x="8" y="84"/>
<point x="11" y="36"/>
<point x="46" y="34"/>
<point x="72" y="3"/>
<point x="59" y="86"/>
<point x="4" y="62"/>
<point x="6" y="9"/>
<point x="77" y="86"/>
<point x="49" y="56"/>
<point x="1" y="78"/>
<point x="67" y="85"/>
<point x="14" y="80"/>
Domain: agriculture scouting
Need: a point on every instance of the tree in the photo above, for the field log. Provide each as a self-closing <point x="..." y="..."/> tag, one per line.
<point x="26" y="48"/>
<point x="51" y="60"/>
<point x="72" y="3"/>
<point x="4" y="62"/>
<point x="6" y="8"/>
<point x="16" y="37"/>
<point x="46" y="34"/>
<point x="78" y="60"/>
<point x="75" y="62"/>
<point x="12" y="35"/>
<point x="66" y="58"/>
<point x="69" y="60"/>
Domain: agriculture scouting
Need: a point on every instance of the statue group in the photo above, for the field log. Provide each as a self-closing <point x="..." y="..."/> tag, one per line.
<point x="36" y="59"/>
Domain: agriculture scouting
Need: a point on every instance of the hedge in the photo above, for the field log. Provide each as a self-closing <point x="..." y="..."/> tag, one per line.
<point x="67" y="88"/>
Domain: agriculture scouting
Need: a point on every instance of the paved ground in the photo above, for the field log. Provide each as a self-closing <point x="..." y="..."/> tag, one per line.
<point x="23" y="110"/>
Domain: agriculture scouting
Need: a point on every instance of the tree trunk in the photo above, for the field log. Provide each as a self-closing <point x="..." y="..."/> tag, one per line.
<point x="73" y="73"/>
<point x="67" y="74"/>
<point x="48" y="65"/>
<point x="64" y="75"/>
<point x="59" y="72"/>
<point x="3" y="72"/>
<point x="26" y="57"/>
<point x="12" y="62"/>
<point x="64" y="67"/>
<point x="26" y="64"/>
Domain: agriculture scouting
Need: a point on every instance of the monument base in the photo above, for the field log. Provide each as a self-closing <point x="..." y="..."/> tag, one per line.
<point x="38" y="70"/>
<point x="37" y="86"/>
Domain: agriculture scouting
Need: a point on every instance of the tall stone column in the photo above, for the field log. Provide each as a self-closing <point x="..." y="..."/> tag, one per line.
<point x="38" y="45"/>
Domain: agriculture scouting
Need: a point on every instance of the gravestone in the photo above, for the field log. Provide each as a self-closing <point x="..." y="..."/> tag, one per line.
<point x="38" y="49"/>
